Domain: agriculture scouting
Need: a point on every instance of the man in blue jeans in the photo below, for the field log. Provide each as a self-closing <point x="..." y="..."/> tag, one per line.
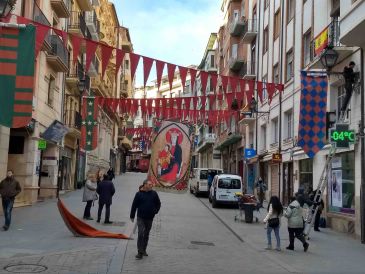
<point x="148" y="205"/>
<point x="9" y="188"/>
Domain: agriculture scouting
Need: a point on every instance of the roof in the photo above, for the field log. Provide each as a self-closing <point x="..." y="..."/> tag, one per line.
<point x="209" y="47"/>
<point x="229" y="175"/>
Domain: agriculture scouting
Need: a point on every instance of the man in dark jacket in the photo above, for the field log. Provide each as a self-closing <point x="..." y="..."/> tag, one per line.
<point x="349" y="75"/>
<point x="9" y="188"/>
<point x="320" y="204"/>
<point x="106" y="190"/>
<point x="148" y="204"/>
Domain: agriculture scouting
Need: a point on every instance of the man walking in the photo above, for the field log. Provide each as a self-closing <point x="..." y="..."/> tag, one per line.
<point x="106" y="190"/>
<point x="148" y="205"/>
<point x="261" y="189"/>
<point x="9" y="188"/>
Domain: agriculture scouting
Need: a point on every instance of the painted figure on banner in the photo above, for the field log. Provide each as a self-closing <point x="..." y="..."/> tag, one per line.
<point x="171" y="154"/>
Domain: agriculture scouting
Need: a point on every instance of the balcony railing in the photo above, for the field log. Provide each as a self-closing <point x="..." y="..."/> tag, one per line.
<point x="236" y="27"/>
<point x="249" y="30"/>
<point x="58" y="48"/>
<point x="333" y="39"/>
<point x="73" y="119"/>
<point x="248" y="70"/>
<point x="39" y="16"/>
<point x="76" y="70"/>
<point x="77" y="21"/>
<point x="93" y="23"/>
<point x="61" y="8"/>
<point x="235" y="63"/>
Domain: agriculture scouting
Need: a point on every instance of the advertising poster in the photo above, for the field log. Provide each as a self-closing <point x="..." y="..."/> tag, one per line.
<point x="336" y="188"/>
<point x="171" y="155"/>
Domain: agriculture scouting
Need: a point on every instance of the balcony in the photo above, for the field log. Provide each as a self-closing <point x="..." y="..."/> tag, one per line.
<point x="333" y="42"/>
<point x="61" y="8"/>
<point x="102" y="87"/>
<point x="353" y="25"/>
<point x="85" y="5"/>
<point x="93" y="24"/>
<point x="207" y="141"/>
<point x="94" y="67"/>
<point x="74" y="75"/>
<point x="236" y="63"/>
<point x="248" y="71"/>
<point x="249" y="31"/>
<point x="40" y="17"/>
<point x="226" y="139"/>
<point x="77" y="25"/>
<point x="57" y="57"/>
<point x="236" y="27"/>
<point x="247" y="119"/>
<point x="73" y="121"/>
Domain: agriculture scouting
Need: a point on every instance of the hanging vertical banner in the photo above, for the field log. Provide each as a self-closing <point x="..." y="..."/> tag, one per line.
<point x="171" y="156"/>
<point x="89" y="127"/>
<point x="312" y="117"/>
<point x="16" y="75"/>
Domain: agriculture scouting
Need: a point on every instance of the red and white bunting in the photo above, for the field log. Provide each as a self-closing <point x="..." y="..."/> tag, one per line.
<point x="91" y="47"/>
<point x="134" y="60"/>
<point x="171" y="73"/>
<point x="147" y="65"/>
<point x="119" y="57"/>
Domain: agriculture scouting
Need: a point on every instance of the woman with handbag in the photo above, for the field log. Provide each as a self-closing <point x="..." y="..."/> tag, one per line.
<point x="272" y="221"/>
<point x="89" y="195"/>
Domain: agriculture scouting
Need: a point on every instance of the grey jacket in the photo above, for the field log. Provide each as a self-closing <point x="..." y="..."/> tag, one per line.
<point x="89" y="191"/>
<point x="294" y="213"/>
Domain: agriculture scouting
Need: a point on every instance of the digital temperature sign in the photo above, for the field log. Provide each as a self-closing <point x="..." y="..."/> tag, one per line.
<point x="342" y="136"/>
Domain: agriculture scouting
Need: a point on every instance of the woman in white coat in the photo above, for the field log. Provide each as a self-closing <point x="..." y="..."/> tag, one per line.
<point x="89" y="195"/>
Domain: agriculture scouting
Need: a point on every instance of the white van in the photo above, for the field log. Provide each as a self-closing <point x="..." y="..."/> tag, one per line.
<point x="202" y="179"/>
<point x="223" y="189"/>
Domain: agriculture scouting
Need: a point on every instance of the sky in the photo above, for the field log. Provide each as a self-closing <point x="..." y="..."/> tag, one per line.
<point x="175" y="31"/>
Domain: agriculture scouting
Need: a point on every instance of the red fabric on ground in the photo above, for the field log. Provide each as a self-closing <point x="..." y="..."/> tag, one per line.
<point x="81" y="229"/>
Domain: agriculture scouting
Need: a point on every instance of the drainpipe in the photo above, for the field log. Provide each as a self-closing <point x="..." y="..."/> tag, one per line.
<point x="281" y="80"/>
<point x="362" y="141"/>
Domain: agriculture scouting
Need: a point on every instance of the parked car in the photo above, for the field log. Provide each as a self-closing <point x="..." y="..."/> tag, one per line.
<point x="202" y="179"/>
<point x="223" y="189"/>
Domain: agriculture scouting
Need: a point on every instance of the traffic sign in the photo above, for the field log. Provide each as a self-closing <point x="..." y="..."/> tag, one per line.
<point x="42" y="144"/>
<point x="249" y="153"/>
<point x="342" y="136"/>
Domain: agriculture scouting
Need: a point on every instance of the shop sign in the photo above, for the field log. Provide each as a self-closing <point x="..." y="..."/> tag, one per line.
<point x="42" y="144"/>
<point x="276" y="158"/>
<point x="321" y="41"/>
<point x="342" y="136"/>
<point x="249" y="153"/>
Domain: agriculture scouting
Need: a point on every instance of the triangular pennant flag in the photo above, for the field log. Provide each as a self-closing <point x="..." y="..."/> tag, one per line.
<point x="171" y="73"/>
<point x="195" y="102"/>
<point x="250" y="91"/>
<point x="183" y="72"/>
<point x="20" y="20"/>
<point x="204" y="79"/>
<point x="259" y="87"/>
<point x="214" y="80"/>
<point x="229" y="97"/>
<point x="128" y="103"/>
<point x="159" y="70"/>
<point x="224" y="80"/>
<point x="147" y="65"/>
<point x="76" y="44"/>
<point x="143" y="105"/>
<point x="90" y="53"/>
<point x="178" y="102"/>
<point x="134" y="59"/>
<point x="63" y="35"/>
<point x="157" y="107"/>
<point x="115" y="104"/>
<point x="270" y="91"/>
<point x="203" y="101"/>
<point x="149" y="106"/>
<point x="119" y="56"/>
<point x="192" y="78"/>
<point x="279" y="87"/>
<point x="233" y="81"/>
<point x="211" y="101"/>
<point x="41" y="33"/>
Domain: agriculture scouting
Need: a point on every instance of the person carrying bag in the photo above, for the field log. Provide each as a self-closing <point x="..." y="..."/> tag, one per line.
<point x="272" y="221"/>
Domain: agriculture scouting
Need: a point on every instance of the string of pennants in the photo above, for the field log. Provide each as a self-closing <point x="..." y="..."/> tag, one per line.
<point x="227" y="83"/>
<point x="139" y="132"/>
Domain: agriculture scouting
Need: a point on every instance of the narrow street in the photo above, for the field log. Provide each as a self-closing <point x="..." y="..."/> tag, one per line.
<point x="187" y="237"/>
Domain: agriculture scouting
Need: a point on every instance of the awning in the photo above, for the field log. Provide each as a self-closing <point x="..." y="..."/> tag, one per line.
<point x="231" y="139"/>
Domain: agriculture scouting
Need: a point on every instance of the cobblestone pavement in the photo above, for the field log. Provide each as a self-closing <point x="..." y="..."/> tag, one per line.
<point x="186" y="237"/>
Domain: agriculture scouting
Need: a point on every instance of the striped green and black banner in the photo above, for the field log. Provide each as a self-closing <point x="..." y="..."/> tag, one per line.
<point x="16" y="75"/>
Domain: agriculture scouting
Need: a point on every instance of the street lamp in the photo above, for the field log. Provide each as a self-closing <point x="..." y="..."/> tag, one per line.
<point x="329" y="58"/>
<point x="6" y="7"/>
<point x="80" y="85"/>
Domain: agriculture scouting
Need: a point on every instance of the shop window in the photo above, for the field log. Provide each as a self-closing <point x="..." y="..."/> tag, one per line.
<point x="341" y="183"/>
<point x="306" y="174"/>
<point x="16" y="145"/>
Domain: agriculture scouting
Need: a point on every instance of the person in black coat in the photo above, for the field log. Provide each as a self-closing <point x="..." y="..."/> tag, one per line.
<point x="147" y="204"/>
<point x="111" y="174"/>
<point x="106" y="190"/>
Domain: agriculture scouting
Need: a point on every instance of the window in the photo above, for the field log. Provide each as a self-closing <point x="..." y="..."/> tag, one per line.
<point x="212" y="61"/>
<point x="263" y="137"/>
<point x="16" y="145"/>
<point x="341" y="183"/>
<point x="277" y="24"/>
<point x="289" y="65"/>
<point x="126" y="64"/>
<point x="306" y="174"/>
<point x="264" y="89"/>
<point x="275" y="130"/>
<point x="51" y="90"/>
<point x="187" y="87"/>
<point x="291" y="10"/>
<point x="275" y="74"/>
<point x="203" y="174"/>
<point x="266" y="39"/>
<point x="288" y="116"/>
<point x="228" y="183"/>
<point x="234" y="52"/>
<point x="307" y="49"/>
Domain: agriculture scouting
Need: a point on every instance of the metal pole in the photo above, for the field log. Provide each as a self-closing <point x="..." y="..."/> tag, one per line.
<point x="362" y="141"/>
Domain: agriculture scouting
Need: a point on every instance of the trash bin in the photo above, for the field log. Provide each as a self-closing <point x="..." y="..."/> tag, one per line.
<point x="249" y="208"/>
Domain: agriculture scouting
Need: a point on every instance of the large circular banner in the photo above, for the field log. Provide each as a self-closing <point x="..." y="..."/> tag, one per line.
<point x="171" y="156"/>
